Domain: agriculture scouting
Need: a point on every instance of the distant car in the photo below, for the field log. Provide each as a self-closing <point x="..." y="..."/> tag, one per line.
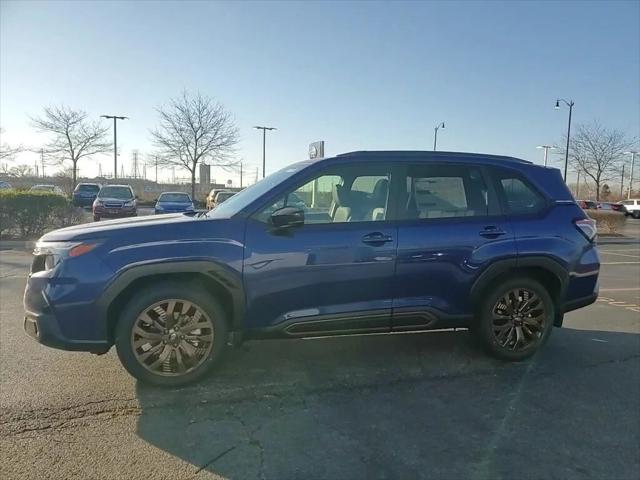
<point x="115" y="201"/>
<point x="47" y="188"/>
<point x="174" y="202"/>
<point x="222" y="197"/>
<point x="5" y="186"/>
<point x="616" y="207"/>
<point x="631" y="207"/>
<point x="212" y="197"/>
<point x="85" y="194"/>
<point x="587" y="204"/>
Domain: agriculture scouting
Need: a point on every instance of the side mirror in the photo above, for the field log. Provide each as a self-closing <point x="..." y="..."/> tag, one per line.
<point x="288" y="217"/>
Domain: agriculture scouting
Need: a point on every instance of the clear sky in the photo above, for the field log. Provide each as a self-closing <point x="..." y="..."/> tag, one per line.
<point x="358" y="75"/>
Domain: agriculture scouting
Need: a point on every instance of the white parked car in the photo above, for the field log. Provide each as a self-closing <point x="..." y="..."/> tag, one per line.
<point x="632" y="207"/>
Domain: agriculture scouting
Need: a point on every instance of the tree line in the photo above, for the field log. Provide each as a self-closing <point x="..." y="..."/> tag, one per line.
<point x="192" y="128"/>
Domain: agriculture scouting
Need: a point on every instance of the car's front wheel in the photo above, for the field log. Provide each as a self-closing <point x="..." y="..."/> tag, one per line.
<point x="171" y="334"/>
<point x="515" y="319"/>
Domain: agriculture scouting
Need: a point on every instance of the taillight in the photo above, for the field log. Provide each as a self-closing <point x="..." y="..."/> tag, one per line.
<point x="587" y="227"/>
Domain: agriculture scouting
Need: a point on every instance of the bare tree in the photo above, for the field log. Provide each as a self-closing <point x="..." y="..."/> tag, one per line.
<point x="7" y="152"/>
<point x="73" y="136"/>
<point x="194" y="128"/>
<point x="598" y="152"/>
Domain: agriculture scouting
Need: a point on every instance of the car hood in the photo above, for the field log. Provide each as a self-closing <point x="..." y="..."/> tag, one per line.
<point x="113" y="199"/>
<point x="109" y="228"/>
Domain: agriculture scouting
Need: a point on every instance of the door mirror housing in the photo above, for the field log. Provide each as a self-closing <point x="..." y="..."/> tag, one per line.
<point x="288" y="217"/>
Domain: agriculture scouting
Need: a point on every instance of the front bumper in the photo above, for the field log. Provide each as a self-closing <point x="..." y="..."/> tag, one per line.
<point x="45" y="329"/>
<point x="115" y="213"/>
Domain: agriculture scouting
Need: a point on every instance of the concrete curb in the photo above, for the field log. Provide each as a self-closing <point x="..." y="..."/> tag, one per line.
<point x="27" y="245"/>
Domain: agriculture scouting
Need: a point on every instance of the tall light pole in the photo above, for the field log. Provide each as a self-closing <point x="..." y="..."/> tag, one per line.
<point x="115" y="142"/>
<point x="546" y="151"/>
<point x="633" y="161"/>
<point x="264" y="142"/>
<point x="435" y="134"/>
<point x="569" y="104"/>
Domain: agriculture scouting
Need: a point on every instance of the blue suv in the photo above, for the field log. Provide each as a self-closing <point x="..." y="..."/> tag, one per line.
<point x="362" y="242"/>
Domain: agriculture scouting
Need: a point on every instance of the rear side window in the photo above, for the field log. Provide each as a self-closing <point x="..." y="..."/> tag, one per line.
<point x="445" y="191"/>
<point x="518" y="195"/>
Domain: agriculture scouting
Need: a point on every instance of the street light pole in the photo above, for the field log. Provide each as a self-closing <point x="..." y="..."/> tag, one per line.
<point x="264" y="143"/>
<point x="633" y="161"/>
<point x="570" y="104"/>
<point x="435" y="134"/>
<point x="546" y="151"/>
<point x="115" y="142"/>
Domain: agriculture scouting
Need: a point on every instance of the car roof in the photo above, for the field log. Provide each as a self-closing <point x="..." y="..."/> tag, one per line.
<point x="175" y="193"/>
<point x="427" y="155"/>
<point x="89" y="183"/>
<point x="121" y="186"/>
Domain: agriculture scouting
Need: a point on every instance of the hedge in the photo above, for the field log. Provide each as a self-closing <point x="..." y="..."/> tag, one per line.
<point x="607" y="221"/>
<point x="30" y="214"/>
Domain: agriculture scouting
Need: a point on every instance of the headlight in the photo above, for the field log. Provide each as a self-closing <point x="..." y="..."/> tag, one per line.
<point x="97" y="203"/>
<point x="52" y="253"/>
<point x="128" y="204"/>
<point x="159" y="207"/>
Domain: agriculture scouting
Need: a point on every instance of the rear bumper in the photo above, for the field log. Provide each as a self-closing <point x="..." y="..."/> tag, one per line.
<point x="45" y="329"/>
<point x="580" y="302"/>
<point x="82" y="202"/>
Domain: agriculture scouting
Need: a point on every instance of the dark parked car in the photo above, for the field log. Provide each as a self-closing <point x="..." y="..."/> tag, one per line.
<point x="115" y="201"/>
<point x="84" y="194"/>
<point x="388" y="242"/>
<point x="616" y="207"/>
<point x="173" y="202"/>
<point x="587" y="204"/>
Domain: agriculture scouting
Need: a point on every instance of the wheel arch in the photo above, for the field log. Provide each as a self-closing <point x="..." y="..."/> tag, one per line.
<point x="548" y="272"/>
<point x="223" y="283"/>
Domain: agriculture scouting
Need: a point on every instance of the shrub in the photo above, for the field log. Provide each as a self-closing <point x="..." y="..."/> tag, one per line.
<point x="29" y="214"/>
<point x="608" y="222"/>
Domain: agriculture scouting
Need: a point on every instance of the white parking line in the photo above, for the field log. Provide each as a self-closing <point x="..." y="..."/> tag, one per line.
<point x="619" y="289"/>
<point x="619" y="254"/>
<point x="619" y="263"/>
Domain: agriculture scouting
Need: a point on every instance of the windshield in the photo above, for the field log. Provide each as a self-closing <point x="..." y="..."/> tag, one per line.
<point x="121" y="193"/>
<point x="242" y="199"/>
<point x="87" y="188"/>
<point x="175" y="198"/>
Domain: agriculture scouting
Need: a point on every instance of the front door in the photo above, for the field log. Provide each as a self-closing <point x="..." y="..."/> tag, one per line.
<point x="449" y="230"/>
<point x="335" y="273"/>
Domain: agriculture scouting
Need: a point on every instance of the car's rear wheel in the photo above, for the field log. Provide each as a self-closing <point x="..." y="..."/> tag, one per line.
<point x="515" y="319"/>
<point x="96" y="218"/>
<point x="636" y="214"/>
<point x="171" y="334"/>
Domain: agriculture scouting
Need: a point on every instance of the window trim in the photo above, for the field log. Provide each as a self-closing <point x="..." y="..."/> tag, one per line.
<point x="494" y="208"/>
<point x="330" y="169"/>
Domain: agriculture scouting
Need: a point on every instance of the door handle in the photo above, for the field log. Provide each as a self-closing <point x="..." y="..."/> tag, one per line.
<point x="376" y="238"/>
<point x="491" y="231"/>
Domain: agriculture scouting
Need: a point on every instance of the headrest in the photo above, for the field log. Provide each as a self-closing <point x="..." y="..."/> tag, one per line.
<point x="380" y="190"/>
<point x="341" y="196"/>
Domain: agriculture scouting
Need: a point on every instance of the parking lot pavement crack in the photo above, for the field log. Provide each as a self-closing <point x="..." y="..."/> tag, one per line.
<point x="214" y="460"/>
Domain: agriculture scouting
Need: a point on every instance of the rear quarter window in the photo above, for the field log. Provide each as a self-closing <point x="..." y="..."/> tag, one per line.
<point x="518" y="196"/>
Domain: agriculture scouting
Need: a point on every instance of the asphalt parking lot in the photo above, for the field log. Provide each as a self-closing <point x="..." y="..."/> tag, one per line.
<point x="400" y="406"/>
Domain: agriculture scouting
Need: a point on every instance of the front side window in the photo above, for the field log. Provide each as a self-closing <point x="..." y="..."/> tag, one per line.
<point x="445" y="191"/>
<point x="349" y="194"/>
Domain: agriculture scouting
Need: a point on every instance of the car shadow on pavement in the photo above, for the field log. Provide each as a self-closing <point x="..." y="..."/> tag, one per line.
<point x="407" y="406"/>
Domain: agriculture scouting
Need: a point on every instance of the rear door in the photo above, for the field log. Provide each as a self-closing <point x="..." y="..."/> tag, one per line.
<point x="449" y="230"/>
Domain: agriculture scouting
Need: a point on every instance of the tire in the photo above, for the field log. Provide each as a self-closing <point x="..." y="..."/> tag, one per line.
<point x="96" y="218"/>
<point x="636" y="214"/>
<point x="197" y="357"/>
<point x="500" y="339"/>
